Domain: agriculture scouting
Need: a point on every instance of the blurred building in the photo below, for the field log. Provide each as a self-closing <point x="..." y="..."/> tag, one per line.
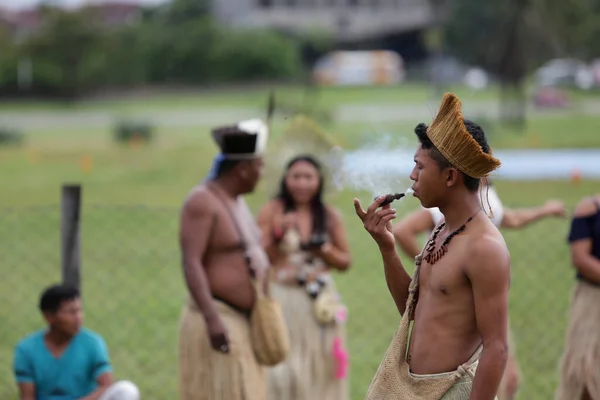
<point x="348" y="20"/>
<point x="396" y="25"/>
<point x="111" y="13"/>
<point x="116" y="13"/>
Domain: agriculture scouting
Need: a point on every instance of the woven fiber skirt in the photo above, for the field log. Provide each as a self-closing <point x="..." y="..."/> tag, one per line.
<point x="206" y="374"/>
<point x="309" y="372"/>
<point x="580" y="363"/>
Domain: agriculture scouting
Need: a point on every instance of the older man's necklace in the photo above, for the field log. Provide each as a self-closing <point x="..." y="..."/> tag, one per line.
<point x="433" y="257"/>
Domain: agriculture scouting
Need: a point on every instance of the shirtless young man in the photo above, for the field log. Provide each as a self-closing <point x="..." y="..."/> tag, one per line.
<point x="407" y="230"/>
<point x="220" y="246"/>
<point x="458" y="296"/>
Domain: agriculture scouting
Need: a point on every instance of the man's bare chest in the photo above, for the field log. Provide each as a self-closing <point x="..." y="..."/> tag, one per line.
<point x="444" y="278"/>
<point x="233" y="228"/>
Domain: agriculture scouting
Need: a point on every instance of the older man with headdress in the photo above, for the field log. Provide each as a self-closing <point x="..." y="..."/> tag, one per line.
<point x="457" y="298"/>
<point x="221" y="252"/>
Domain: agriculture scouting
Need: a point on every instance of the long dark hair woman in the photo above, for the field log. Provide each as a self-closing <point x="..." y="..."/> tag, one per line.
<point x="305" y="240"/>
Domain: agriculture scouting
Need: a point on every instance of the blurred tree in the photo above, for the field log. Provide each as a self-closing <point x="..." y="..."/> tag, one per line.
<point x="510" y="38"/>
<point x="237" y="57"/>
<point x="571" y="27"/>
<point x="180" y="53"/>
<point x="435" y="43"/>
<point x="64" y="52"/>
<point x="314" y="44"/>
<point x="178" y="42"/>
<point x="8" y="61"/>
<point x="178" y="11"/>
<point x="494" y="35"/>
<point x="123" y="60"/>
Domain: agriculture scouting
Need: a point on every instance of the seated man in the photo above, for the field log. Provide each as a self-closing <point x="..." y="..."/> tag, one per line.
<point x="66" y="361"/>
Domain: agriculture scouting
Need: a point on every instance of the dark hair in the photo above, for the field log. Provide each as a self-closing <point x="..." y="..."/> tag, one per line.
<point x="476" y="132"/>
<point x="319" y="214"/>
<point x="54" y="296"/>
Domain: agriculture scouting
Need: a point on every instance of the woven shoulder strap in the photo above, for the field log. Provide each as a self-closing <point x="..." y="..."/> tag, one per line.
<point x="242" y="238"/>
<point x="413" y="288"/>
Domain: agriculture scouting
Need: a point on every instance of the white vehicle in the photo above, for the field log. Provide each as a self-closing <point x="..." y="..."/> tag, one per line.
<point x="565" y="72"/>
<point x="345" y="68"/>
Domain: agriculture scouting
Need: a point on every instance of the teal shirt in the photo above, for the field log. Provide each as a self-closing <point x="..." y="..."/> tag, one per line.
<point x="72" y="375"/>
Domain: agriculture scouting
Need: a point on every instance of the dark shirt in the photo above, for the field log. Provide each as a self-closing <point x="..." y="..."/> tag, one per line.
<point x="587" y="227"/>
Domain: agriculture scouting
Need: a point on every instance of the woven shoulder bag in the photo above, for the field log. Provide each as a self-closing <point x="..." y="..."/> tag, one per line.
<point x="268" y="329"/>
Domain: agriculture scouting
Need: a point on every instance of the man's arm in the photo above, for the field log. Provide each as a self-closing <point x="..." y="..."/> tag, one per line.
<point x="101" y="369"/>
<point x="488" y="270"/>
<point x="24" y="374"/>
<point x="265" y="223"/>
<point x="581" y="241"/>
<point x="196" y="224"/>
<point x="407" y="230"/>
<point x="520" y="217"/>
<point x="26" y="391"/>
<point x="103" y="381"/>
<point x="396" y="277"/>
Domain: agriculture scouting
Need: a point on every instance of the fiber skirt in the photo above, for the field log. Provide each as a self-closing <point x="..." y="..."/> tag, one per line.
<point x="309" y="372"/>
<point x="580" y="363"/>
<point x="206" y="374"/>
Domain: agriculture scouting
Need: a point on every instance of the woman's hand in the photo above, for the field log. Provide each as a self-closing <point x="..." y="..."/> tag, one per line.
<point x="282" y="222"/>
<point x="289" y="220"/>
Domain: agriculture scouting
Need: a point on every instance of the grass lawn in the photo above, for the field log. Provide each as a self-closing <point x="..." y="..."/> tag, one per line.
<point x="132" y="282"/>
<point x="248" y="96"/>
<point x="133" y="288"/>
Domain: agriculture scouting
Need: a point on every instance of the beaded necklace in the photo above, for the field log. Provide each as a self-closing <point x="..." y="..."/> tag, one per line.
<point x="433" y="257"/>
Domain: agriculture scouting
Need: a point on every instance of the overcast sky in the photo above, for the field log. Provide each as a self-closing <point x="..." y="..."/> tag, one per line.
<point x="17" y="4"/>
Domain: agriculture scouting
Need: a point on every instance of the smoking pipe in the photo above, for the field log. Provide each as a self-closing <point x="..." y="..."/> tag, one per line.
<point x="390" y="197"/>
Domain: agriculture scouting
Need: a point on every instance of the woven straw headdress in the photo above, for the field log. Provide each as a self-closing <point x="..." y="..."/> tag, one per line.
<point x="449" y="135"/>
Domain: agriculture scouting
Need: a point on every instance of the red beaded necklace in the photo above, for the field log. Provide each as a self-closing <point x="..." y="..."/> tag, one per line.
<point x="433" y="257"/>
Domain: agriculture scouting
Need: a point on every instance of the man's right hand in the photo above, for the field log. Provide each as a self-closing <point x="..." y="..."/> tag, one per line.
<point x="217" y="332"/>
<point x="555" y="208"/>
<point x="378" y="222"/>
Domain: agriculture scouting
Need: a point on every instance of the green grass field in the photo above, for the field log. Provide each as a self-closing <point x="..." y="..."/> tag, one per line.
<point x="236" y="96"/>
<point x="132" y="283"/>
<point x="248" y="95"/>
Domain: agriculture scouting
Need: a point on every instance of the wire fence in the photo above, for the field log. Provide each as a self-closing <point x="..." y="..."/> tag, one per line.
<point x="133" y="292"/>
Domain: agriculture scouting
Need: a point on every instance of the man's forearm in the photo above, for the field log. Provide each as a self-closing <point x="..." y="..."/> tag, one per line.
<point x="408" y="243"/>
<point x="334" y="257"/>
<point x="525" y="216"/>
<point x="272" y="251"/>
<point x="199" y="288"/>
<point x="588" y="266"/>
<point x="489" y="372"/>
<point x="396" y="277"/>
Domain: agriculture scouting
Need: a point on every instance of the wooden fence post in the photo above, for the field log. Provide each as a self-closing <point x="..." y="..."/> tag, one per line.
<point x="69" y="229"/>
